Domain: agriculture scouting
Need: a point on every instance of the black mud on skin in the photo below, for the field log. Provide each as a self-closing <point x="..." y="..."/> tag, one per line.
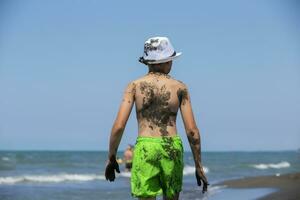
<point x="155" y="108"/>
<point x="131" y="90"/>
<point x="182" y="96"/>
<point x="159" y="74"/>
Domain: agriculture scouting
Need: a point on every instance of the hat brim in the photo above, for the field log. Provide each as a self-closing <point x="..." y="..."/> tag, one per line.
<point x="166" y="59"/>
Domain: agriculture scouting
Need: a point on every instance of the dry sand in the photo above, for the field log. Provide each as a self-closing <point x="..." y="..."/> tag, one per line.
<point x="288" y="185"/>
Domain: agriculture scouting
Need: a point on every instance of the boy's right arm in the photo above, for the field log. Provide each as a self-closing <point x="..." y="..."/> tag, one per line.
<point x="192" y="132"/>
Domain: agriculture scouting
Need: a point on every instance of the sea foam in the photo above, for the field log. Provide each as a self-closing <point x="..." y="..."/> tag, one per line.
<point x="213" y="190"/>
<point x="283" y="164"/>
<point x="5" y="158"/>
<point x="125" y="174"/>
<point x="188" y="169"/>
<point x="63" y="177"/>
<point x="50" y="178"/>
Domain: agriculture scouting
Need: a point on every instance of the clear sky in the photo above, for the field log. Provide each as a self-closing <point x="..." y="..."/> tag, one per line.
<point x="64" y="65"/>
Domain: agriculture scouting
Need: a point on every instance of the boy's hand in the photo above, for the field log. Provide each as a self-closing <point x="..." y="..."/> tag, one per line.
<point x="111" y="166"/>
<point x="200" y="176"/>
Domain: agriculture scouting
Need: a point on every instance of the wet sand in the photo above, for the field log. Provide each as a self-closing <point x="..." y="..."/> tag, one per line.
<point x="287" y="185"/>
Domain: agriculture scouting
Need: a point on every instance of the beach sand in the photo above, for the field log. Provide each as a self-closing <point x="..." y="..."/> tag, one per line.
<point x="288" y="185"/>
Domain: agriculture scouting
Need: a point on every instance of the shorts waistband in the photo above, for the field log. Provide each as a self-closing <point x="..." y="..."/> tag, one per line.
<point x="157" y="139"/>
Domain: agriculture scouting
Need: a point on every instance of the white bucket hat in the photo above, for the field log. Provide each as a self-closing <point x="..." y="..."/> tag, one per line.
<point x="158" y="50"/>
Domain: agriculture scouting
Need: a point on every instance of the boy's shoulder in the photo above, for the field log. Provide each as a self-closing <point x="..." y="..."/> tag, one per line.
<point x="181" y="83"/>
<point x="171" y="79"/>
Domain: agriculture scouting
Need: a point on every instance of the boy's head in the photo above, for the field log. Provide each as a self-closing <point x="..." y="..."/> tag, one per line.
<point x="158" y="52"/>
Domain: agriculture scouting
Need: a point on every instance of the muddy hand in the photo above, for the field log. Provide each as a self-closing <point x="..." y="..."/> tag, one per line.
<point x="111" y="166"/>
<point x="201" y="177"/>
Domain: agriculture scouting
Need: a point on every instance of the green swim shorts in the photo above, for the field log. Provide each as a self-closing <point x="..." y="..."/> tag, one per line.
<point x="157" y="166"/>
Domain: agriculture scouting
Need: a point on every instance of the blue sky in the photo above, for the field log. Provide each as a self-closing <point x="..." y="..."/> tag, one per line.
<point x="64" y="66"/>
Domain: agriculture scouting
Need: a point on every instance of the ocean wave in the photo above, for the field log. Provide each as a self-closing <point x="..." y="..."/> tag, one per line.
<point x="195" y="193"/>
<point x="125" y="174"/>
<point x="50" y="178"/>
<point x="213" y="190"/>
<point x="63" y="177"/>
<point x="188" y="169"/>
<point x="5" y="158"/>
<point x="283" y="164"/>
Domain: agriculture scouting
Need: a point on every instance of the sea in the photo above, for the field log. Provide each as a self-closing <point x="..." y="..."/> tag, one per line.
<point x="79" y="175"/>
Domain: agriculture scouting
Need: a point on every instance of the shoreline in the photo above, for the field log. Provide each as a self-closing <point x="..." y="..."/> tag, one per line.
<point x="286" y="185"/>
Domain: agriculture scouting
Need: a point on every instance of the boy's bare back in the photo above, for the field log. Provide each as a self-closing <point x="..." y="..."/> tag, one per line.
<point x="157" y="98"/>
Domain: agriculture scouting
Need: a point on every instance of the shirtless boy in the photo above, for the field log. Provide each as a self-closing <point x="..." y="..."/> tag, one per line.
<point x="157" y="166"/>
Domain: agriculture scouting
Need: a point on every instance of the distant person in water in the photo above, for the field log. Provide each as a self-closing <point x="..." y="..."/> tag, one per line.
<point x="157" y="166"/>
<point x="128" y="157"/>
